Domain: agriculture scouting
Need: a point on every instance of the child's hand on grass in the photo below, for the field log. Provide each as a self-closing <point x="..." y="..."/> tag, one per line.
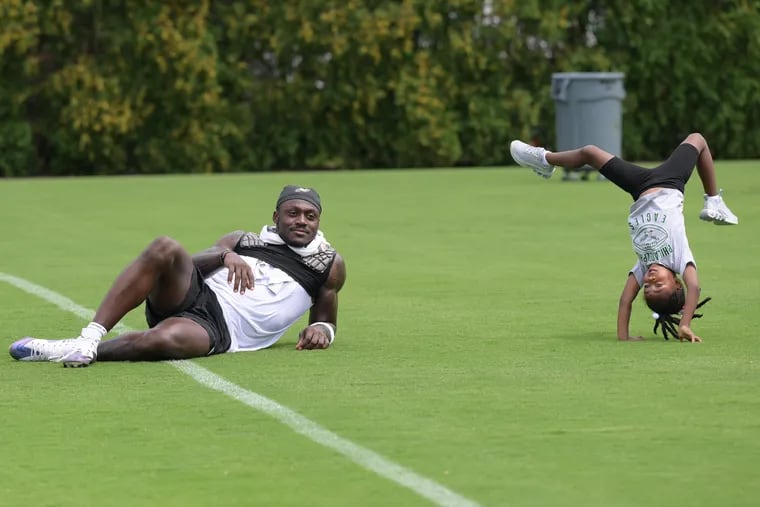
<point x="686" y="334"/>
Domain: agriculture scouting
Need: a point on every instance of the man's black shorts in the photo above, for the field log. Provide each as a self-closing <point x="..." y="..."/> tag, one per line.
<point x="673" y="173"/>
<point x="201" y="306"/>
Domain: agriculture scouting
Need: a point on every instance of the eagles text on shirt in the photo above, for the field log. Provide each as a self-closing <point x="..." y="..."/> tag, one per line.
<point x="658" y="232"/>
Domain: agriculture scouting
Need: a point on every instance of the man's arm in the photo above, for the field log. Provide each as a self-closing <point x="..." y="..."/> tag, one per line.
<point x="323" y="317"/>
<point x="630" y="291"/>
<point x="222" y="255"/>
<point x="210" y="259"/>
<point x="690" y="305"/>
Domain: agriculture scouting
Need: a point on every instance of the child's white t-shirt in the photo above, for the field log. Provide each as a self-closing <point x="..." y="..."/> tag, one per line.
<point x="658" y="232"/>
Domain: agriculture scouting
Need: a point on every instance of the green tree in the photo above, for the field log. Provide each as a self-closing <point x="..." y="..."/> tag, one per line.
<point x="108" y="87"/>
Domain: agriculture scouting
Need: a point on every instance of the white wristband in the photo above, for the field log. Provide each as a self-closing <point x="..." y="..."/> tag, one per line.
<point x="330" y="330"/>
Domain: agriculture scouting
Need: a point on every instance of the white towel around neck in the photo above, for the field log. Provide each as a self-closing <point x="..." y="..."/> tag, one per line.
<point x="269" y="235"/>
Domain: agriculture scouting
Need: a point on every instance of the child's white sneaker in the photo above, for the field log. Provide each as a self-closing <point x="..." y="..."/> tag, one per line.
<point x="531" y="156"/>
<point x="716" y="211"/>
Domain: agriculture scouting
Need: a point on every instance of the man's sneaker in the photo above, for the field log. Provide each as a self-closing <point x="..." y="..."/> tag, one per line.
<point x="531" y="156"/>
<point x="84" y="353"/>
<point x="72" y="352"/>
<point x="35" y="349"/>
<point x="716" y="211"/>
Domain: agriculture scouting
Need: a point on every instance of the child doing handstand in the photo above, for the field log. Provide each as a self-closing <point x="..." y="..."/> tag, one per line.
<point x="656" y="224"/>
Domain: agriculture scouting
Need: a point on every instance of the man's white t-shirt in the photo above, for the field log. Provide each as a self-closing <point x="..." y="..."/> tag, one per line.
<point x="658" y="232"/>
<point x="259" y="317"/>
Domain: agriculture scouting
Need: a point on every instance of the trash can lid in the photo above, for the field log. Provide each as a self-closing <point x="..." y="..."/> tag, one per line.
<point x="588" y="75"/>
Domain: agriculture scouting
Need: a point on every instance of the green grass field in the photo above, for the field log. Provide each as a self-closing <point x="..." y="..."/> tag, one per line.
<point x="476" y="350"/>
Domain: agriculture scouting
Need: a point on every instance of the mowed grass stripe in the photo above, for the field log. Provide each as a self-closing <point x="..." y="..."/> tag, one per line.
<point x="366" y="458"/>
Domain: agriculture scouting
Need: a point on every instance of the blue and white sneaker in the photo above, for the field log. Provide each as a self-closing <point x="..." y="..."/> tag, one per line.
<point x="73" y="352"/>
<point x="531" y="156"/>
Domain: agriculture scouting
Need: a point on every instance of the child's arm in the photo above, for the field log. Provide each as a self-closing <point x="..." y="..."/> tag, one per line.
<point x="690" y="305"/>
<point x="630" y="291"/>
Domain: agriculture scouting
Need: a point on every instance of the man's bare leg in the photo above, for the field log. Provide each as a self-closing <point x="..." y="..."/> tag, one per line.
<point x="161" y="273"/>
<point x="173" y="338"/>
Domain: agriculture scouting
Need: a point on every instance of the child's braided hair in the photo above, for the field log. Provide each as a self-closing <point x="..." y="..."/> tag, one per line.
<point x="668" y="322"/>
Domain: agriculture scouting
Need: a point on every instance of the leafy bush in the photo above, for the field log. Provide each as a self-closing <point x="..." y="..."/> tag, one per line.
<point x="115" y="87"/>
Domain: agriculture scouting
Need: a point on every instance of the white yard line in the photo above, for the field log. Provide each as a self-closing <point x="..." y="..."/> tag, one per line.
<point x="366" y="458"/>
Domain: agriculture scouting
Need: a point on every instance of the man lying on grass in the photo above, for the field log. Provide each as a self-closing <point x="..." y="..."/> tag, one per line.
<point x="241" y="294"/>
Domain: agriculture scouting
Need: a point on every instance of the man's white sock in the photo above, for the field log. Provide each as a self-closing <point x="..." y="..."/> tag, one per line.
<point x="93" y="331"/>
<point x="543" y="158"/>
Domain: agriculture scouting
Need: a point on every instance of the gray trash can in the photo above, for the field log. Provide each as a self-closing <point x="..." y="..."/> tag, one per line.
<point x="588" y="110"/>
